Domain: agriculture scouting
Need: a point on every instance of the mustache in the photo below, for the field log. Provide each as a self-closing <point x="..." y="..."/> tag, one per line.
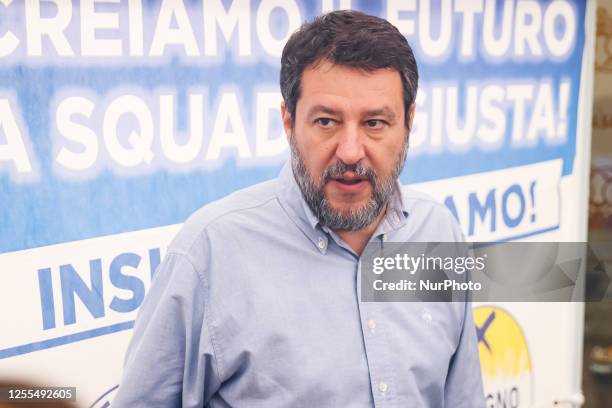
<point x="339" y="168"/>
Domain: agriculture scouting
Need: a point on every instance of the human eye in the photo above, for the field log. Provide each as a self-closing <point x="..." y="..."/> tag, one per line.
<point x="325" y="123"/>
<point x="375" y="124"/>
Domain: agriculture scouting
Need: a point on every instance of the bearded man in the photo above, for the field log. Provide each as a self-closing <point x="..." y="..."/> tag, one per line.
<point x="257" y="302"/>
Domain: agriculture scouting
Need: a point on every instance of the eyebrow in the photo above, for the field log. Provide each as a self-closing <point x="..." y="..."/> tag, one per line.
<point x="321" y="109"/>
<point x="384" y="111"/>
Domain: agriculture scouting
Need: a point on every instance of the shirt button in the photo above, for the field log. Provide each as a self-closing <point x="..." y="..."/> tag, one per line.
<point x="371" y="325"/>
<point x="382" y="387"/>
<point x="321" y="244"/>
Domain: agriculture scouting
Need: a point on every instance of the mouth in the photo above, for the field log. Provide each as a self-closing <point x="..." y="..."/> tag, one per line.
<point x="349" y="182"/>
<point x="349" y="178"/>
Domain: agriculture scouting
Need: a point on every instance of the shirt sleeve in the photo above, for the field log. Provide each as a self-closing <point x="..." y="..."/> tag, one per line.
<point x="170" y="361"/>
<point x="463" y="387"/>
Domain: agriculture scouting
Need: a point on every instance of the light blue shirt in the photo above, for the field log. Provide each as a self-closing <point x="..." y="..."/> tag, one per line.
<point x="255" y="305"/>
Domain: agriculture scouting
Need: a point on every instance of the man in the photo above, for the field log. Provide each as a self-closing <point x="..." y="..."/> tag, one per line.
<point x="257" y="303"/>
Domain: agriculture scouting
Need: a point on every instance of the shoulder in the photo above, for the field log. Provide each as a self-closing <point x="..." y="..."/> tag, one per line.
<point x="418" y="201"/>
<point x="226" y="211"/>
<point x="414" y="197"/>
<point x="425" y="209"/>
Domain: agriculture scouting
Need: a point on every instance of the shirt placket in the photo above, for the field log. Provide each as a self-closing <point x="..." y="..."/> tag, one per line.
<point x="379" y="358"/>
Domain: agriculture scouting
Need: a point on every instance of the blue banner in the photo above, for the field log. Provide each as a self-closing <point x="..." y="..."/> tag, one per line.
<point x="127" y="115"/>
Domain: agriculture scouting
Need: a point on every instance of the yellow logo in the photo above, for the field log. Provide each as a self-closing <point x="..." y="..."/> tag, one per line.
<point x="505" y="361"/>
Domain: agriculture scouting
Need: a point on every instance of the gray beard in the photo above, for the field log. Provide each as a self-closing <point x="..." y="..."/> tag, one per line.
<point x="354" y="219"/>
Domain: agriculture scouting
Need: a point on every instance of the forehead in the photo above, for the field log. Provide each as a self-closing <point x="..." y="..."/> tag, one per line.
<point x="345" y="88"/>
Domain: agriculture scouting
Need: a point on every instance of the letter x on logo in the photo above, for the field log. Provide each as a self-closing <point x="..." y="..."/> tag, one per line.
<point x="482" y="330"/>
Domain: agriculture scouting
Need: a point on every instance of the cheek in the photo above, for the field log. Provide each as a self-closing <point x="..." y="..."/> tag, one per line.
<point x="384" y="156"/>
<point x="317" y="154"/>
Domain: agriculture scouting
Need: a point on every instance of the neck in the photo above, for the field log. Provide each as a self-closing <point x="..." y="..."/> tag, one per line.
<point x="357" y="240"/>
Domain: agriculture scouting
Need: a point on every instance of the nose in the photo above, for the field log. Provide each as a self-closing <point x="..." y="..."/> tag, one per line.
<point x="350" y="148"/>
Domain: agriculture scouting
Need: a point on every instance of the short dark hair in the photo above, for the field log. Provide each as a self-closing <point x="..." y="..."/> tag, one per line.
<point x="352" y="39"/>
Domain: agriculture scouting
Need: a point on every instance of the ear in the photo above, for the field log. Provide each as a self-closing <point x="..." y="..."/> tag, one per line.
<point x="287" y="120"/>
<point x="411" y="115"/>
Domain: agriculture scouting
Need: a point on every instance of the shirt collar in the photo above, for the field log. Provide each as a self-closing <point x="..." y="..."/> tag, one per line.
<point x="291" y="198"/>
